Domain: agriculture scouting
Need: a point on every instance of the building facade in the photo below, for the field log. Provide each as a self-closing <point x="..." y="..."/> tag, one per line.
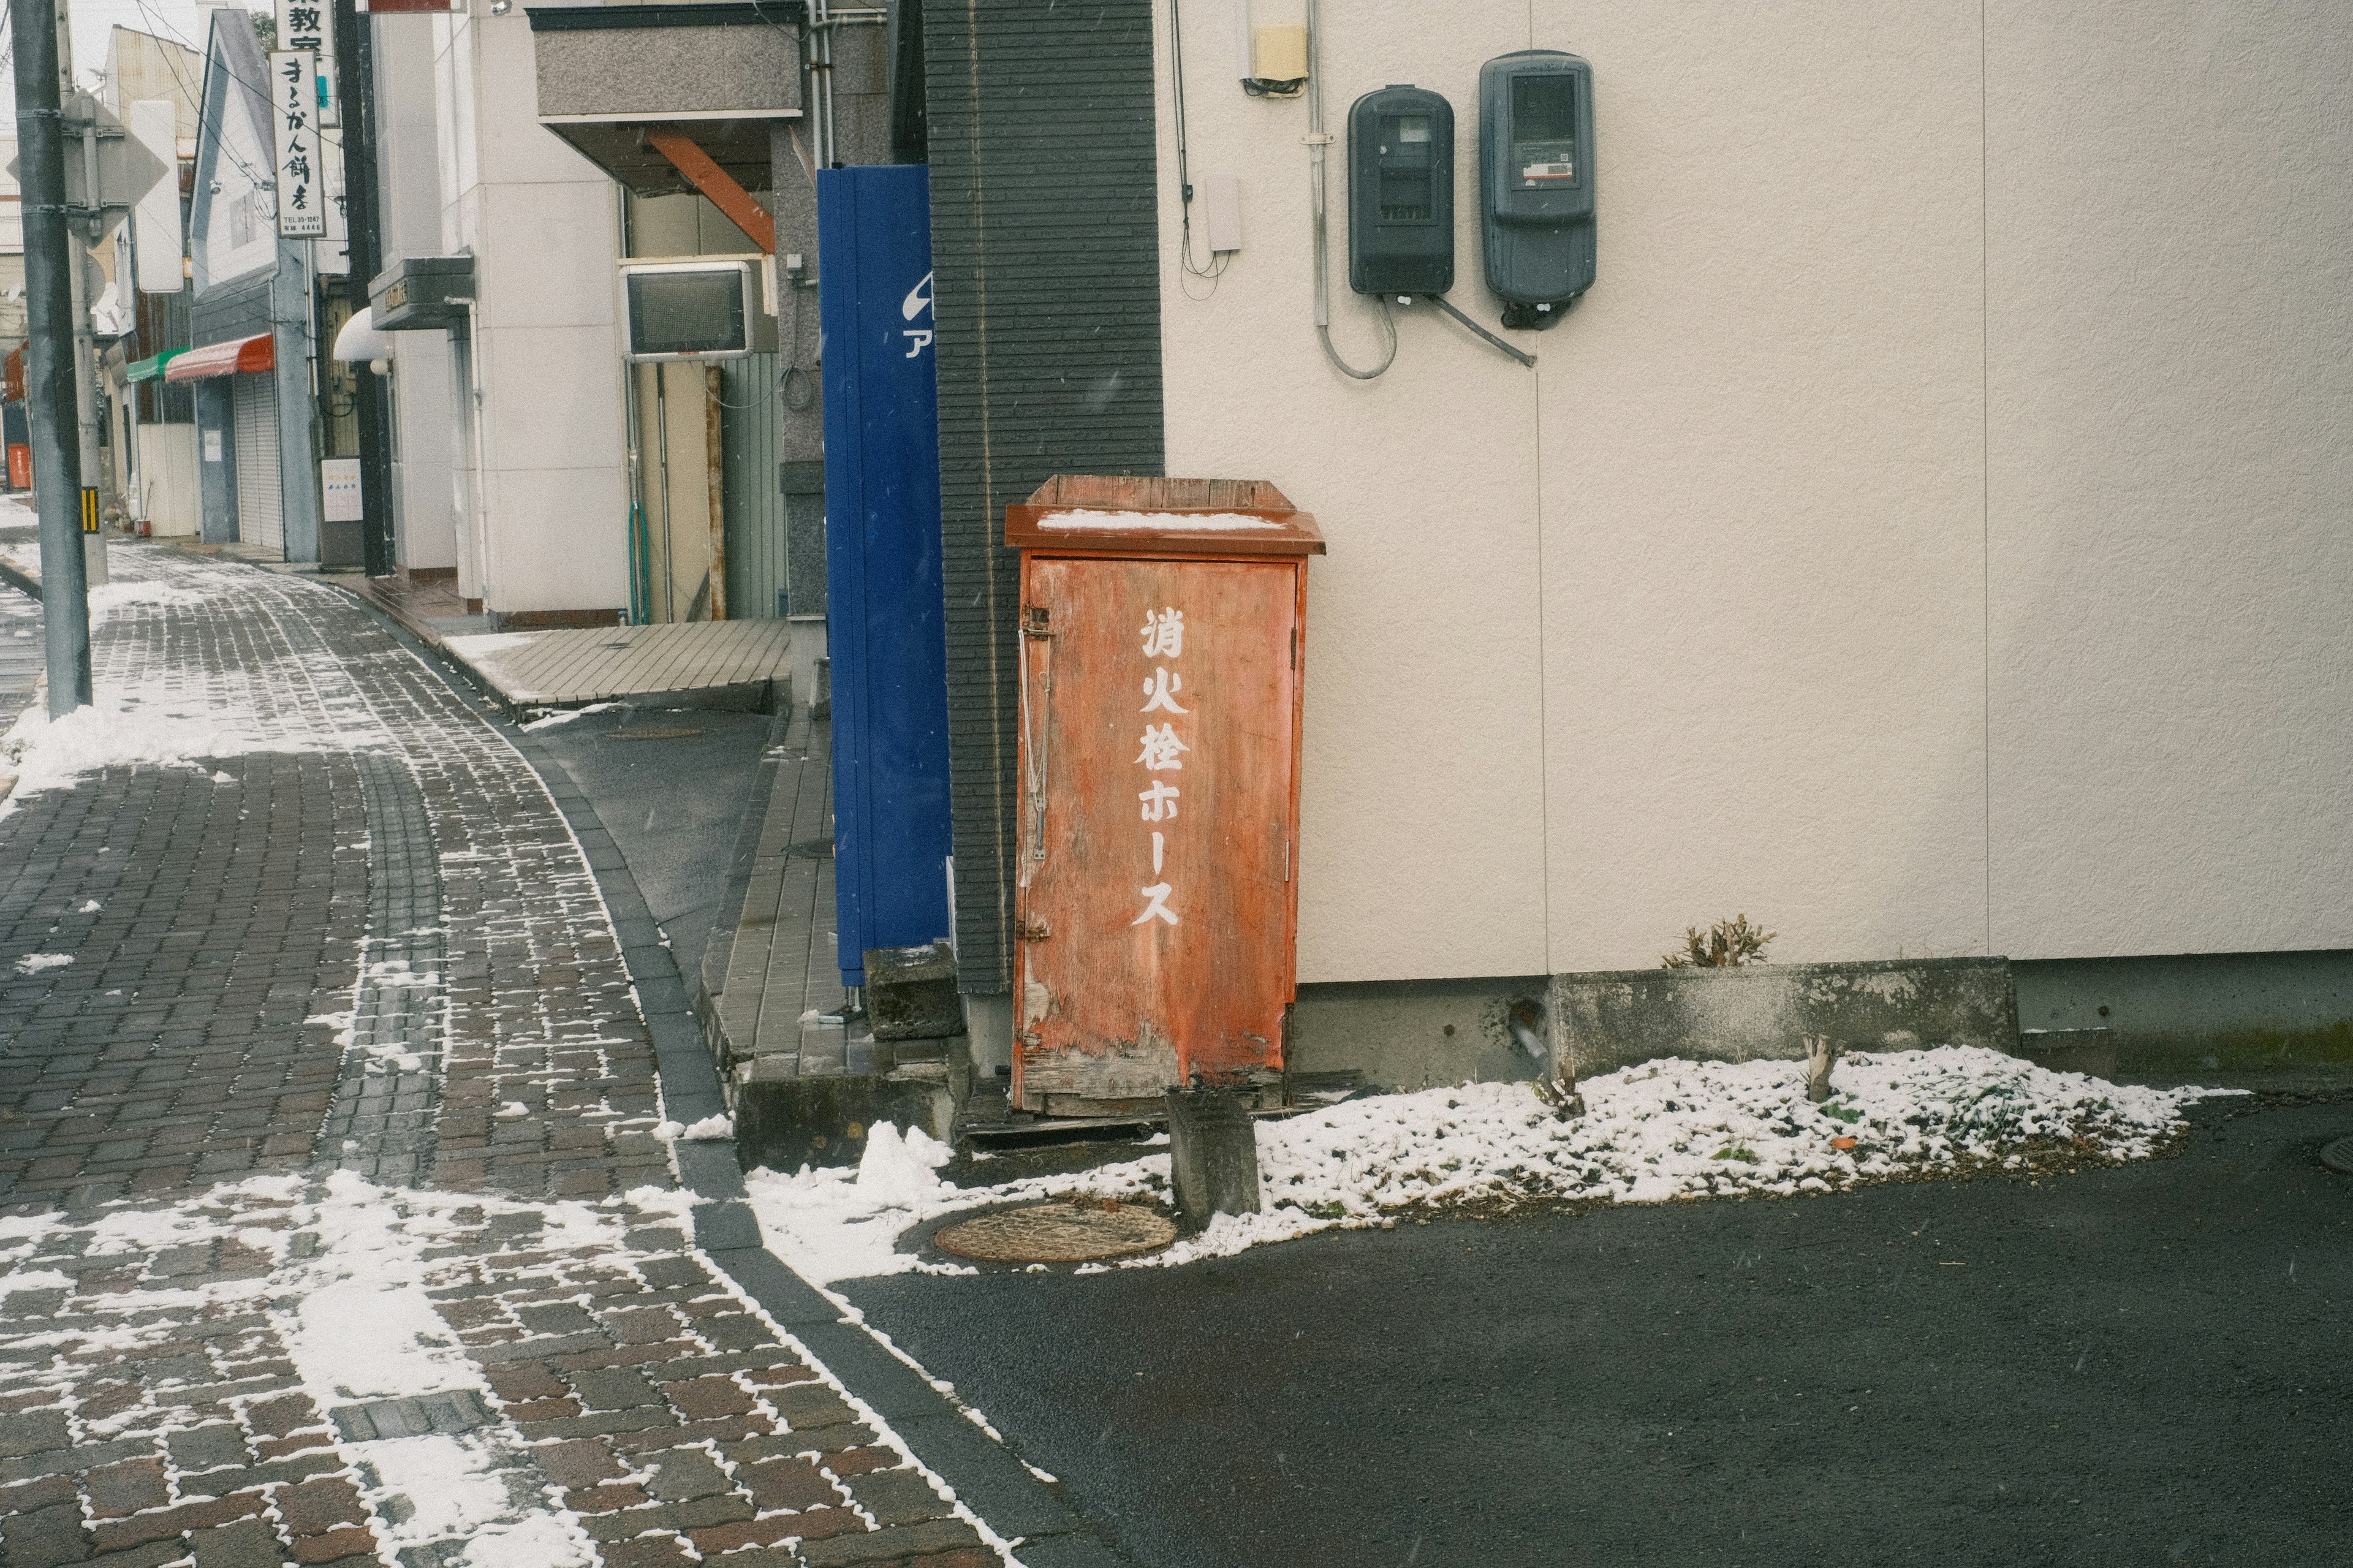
<point x="1919" y="539"/>
<point x="251" y="367"/>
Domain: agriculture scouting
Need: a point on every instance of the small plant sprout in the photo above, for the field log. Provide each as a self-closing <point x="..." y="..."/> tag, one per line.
<point x="1726" y="944"/>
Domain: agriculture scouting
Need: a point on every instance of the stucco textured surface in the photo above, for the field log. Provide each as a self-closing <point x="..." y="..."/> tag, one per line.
<point x="640" y="71"/>
<point x="555" y="485"/>
<point x="2171" y="478"/>
<point x="1927" y="538"/>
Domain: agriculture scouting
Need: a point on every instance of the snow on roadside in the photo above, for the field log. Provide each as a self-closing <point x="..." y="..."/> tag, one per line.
<point x="710" y="1129"/>
<point x="172" y="716"/>
<point x="351" y="1310"/>
<point x="338" y="1274"/>
<point x="124" y="593"/>
<point x="549" y="718"/>
<point x="1668" y="1129"/>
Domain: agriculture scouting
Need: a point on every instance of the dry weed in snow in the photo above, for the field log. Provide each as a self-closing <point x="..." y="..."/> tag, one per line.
<point x="1668" y="1129"/>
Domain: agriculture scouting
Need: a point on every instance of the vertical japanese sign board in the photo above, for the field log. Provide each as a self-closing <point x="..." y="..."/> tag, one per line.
<point x="309" y="25"/>
<point x="886" y="634"/>
<point x="1155" y="882"/>
<point x="294" y="134"/>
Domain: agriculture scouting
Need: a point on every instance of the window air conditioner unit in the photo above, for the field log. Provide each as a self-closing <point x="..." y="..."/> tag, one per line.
<point x="700" y="309"/>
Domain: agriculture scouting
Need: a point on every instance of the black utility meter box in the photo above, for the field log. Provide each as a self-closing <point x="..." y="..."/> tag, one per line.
<point x="1401" y="192"/>
<point x="1536" y="182"/>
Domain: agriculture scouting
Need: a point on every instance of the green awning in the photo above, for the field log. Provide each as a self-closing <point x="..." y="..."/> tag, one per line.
<point x="152" y="369"/>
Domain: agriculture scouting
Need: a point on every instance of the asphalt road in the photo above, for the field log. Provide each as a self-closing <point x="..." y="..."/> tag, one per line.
<point x="670" y="787"/>
<point x="2150" y="1365"/>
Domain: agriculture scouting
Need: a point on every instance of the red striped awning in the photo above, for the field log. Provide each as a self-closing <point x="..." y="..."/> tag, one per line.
<point x="256" y="353"/>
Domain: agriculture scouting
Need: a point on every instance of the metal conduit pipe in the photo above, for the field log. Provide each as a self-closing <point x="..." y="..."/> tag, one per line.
<point x="1318" y="138"/>
<point x="824" y="17"/>
<point x="478" y="532"/>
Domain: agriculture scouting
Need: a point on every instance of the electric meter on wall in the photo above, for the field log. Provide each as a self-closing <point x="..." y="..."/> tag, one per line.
<point x="692" y="309"/>
<point x="1536" y="182"/>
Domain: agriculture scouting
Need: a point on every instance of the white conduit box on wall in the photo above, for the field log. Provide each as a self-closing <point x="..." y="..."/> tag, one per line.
<point x="1221" y="196"/>
<point x="1272" y="60"/>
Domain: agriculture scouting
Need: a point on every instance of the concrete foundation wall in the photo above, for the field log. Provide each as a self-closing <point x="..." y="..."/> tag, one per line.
<point x="2189" y="1013"/>
<point x="1414" y="1035"/>
<point x="1765" y="1011"/>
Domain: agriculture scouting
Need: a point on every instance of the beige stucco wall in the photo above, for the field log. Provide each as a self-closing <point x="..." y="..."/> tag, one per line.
<point x="541" y="222"/>
<point x="2170" y="481"/>
<point x="1929" y="536"/>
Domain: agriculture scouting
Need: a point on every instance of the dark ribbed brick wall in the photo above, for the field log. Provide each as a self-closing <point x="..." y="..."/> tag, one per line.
<point x="1044" y="246"/>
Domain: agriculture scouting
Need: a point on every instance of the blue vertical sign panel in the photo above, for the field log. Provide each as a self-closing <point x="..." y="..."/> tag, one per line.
<point x="884" y="632"/>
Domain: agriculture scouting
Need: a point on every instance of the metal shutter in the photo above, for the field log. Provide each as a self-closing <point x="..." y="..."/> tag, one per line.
<point x="755" y="532"/>
<point x="261" y="510"/>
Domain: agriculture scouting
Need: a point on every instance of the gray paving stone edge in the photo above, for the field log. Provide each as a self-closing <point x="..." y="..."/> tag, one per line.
<point x="982" y="1471"/>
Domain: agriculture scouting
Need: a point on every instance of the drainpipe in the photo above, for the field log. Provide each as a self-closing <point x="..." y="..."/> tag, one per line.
<point x="641" y="565"/>
<point x="824" y="17"/>
<point x="478" y="525"/>
<point x="821" y="68"/>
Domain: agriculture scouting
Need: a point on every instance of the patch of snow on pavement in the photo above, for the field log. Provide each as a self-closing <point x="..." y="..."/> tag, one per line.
<point x="124" y="593"/>
<point x="33" y="963"/>
<point x="565" y="715"/>
<point x="351" y="1307"/>
<point x="710" y="1129"/>
<point x="489" y="642"/>
<point x="1668" y="1129"/>
<point x="173" y="721"/>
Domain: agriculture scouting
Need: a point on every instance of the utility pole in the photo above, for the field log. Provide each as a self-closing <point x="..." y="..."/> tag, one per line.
<point x="52" y="378"/>
<point x="355" y="68"/>
<point x="95" y="479"/>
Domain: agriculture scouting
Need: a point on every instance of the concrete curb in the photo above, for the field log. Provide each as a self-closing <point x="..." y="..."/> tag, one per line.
<point x="728" y="918"/>
<point x="16" y="577"/>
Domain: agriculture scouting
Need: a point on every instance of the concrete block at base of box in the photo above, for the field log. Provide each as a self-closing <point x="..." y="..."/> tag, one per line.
<point x="911" y="992"/>
<point x="787" y="1122"/>
<point x="1616" y="1018"/>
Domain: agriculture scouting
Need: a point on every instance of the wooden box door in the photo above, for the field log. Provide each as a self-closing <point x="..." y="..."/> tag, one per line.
<point x="1157" y="766"/>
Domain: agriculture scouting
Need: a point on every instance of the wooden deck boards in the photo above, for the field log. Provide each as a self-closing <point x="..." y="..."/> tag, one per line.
<point x="566" y="668"/>
<point x="782" y="964"/>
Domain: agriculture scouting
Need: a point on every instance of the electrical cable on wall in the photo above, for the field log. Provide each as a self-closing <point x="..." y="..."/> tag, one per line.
<point x="1318" y="139"/>
<point x="1217" y="267"/>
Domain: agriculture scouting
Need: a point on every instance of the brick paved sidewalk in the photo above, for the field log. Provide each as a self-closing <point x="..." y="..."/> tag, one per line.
<point x="333" y="1226"/>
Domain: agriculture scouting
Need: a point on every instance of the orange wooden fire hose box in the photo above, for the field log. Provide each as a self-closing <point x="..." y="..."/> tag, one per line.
<point x="1156" y="888"/>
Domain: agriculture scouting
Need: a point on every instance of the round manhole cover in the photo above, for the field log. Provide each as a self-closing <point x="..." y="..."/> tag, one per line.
<point x="1060" y="1233"/>
<point x="2339" y="1156"/>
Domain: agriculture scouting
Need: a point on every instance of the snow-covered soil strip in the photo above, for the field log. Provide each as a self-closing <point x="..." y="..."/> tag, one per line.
<point x="1669" y="1129"/>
